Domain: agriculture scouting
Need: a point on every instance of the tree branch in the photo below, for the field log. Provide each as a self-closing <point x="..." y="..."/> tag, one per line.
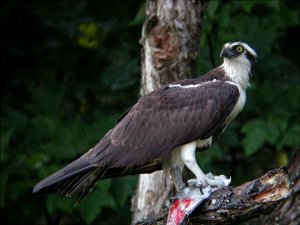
<point x="289" y="212"/>
<point x="236" y="204"/>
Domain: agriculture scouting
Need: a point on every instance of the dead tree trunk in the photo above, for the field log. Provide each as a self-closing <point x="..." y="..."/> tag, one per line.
<point x="170" y="41"/>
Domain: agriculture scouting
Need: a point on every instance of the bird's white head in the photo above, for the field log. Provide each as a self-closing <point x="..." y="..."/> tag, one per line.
<point x="239" y="59"/>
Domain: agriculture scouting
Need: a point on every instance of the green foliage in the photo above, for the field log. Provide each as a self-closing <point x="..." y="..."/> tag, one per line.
<point x="87" y="209"/>
<point x="72" y="68"/>
<point x="257" y="133"/>
<point x="140" y="16"/>
<point x="89" y="37"/>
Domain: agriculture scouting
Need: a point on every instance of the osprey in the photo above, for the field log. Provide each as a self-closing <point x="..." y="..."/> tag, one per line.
<point x="164" y="129"/>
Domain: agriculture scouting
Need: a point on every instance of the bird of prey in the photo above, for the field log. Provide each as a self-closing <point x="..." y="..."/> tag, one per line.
<point x="164" y="129"/>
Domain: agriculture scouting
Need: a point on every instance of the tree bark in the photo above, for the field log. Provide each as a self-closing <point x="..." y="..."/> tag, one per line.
<point x="170" y="41"/>
<point x="289" y="212"/>
<point x="232" y="205"/>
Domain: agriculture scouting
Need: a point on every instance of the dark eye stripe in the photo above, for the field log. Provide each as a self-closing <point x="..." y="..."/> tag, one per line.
<point x="251" y="57"/>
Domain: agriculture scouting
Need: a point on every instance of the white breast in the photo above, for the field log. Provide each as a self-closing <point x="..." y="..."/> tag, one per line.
<point x="240" y="103"/>
<point x="238" y="71"/>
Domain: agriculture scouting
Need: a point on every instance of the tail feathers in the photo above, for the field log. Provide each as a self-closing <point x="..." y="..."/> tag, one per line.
<point x="79" y="178"/>
<point x="64" y="178"/>
<point x="81" y="184"/>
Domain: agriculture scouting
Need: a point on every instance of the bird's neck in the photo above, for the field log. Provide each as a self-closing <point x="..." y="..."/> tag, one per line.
<point x="238" y="72"/>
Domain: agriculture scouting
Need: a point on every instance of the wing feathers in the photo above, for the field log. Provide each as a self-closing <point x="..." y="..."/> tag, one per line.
<point x="170" y="117"/>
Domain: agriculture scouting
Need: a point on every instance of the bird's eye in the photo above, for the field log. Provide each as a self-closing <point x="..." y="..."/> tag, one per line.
<point x="239" y="49"/>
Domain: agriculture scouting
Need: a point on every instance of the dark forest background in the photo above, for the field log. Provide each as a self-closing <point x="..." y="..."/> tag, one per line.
<point x="70" y="69"/>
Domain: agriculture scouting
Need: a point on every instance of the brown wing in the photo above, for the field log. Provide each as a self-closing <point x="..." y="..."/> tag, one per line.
<point x="147" y="133"/>
<point x="163" y="120"/>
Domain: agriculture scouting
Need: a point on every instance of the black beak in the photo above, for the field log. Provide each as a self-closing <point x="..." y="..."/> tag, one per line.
<point x="227" y="53"/>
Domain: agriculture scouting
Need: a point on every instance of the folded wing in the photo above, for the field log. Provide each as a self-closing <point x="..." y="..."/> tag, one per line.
<point x="146" y="134"/>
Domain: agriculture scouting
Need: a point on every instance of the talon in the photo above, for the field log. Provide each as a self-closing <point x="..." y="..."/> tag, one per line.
<point x="209" y="180"/>
<point x="210" y="176"/>
<point x="201" y="191"/>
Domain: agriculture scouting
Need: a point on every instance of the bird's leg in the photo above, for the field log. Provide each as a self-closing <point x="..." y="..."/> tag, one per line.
<point x="176" y="174"/>
<point x="202" y="180"/>
<point x="175" y="166"/>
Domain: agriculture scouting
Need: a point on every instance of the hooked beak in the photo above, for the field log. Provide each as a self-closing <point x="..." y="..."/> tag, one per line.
<point x="227" y="53"/>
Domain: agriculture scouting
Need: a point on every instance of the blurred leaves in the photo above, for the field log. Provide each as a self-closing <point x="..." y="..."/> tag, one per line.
<point x="257" y="132"/>
<point x="139" y="17"/>
<point x="89" y="38"/>
<point x="100" y="198"/>
<point x="248" y="5"/>
<point x="73" y="69"/>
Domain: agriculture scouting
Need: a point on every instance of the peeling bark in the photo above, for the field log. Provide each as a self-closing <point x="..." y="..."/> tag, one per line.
<point x="289" y="212"/>
<point x="232" y="205"/>
<point x="170" y="41"/>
